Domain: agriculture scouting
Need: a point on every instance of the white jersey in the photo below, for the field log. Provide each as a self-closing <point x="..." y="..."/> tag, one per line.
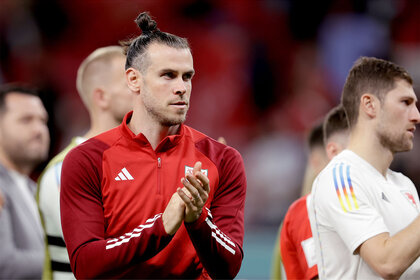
<point x="49" y="207"/>
<point x="352" y="202"/>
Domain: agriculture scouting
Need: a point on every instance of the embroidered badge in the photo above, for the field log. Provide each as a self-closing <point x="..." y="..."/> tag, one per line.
<point x="189" y="170"/>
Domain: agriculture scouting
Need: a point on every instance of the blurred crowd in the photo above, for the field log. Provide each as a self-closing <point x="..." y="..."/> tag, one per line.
<point x="266" y="70"/>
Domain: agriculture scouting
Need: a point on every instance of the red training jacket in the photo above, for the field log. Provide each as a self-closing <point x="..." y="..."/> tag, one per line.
<point x="115" y="188"/>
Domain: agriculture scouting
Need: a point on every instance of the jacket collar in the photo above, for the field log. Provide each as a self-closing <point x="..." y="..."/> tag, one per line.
<point x="167" y="143"/>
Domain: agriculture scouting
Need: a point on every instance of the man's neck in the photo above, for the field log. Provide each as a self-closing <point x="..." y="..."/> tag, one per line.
<point x="10" y="165"/>
<point x="151" y="129"/>
<point x="366" y="144"/>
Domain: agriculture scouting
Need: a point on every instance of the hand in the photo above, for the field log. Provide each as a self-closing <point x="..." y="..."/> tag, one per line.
<point x="173" y="215"/>
<point x="194" y="193"/>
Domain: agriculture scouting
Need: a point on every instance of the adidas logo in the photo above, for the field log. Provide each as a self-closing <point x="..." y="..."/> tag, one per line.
<point x="384" y="197"/>
<point x="124" y="175"/>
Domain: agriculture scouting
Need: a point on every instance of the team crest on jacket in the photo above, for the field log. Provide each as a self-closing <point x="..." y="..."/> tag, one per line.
<point x="189" y="170"/>
<point x="409" y="197"/>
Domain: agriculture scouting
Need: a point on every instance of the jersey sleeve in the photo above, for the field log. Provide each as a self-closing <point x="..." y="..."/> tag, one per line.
<point x="218" y="234"/>
<point x="341" y="202"/>
<point x="92" y="255"/>
<point x="289" y="252"/>
<point x="296" y="243"/>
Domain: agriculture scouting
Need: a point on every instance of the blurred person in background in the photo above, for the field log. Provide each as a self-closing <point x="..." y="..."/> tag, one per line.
<point x="365" y="215"/>
<point x="154" y="198"/>
<point x="103" y="90"/>
<point x="317" y="158"/>
<point x="1" y="201"/>
<point x="24" y="143"/>
<point x="294" y="251"/>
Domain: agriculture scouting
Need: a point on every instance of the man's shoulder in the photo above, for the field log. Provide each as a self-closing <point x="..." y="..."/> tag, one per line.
<point x="297" y="210"/>
<point x="58" y="159"/>
<point x="298" y="204"/>
<point x="208" y="145"/>
<point x="99" y="143"/>
<point x="345" y="164"/>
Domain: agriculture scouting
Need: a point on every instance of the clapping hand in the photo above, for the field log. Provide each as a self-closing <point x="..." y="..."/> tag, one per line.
<point x="194" y="193"/>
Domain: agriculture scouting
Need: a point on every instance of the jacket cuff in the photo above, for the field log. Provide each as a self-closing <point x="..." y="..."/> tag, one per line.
<point x="196" y="224"/>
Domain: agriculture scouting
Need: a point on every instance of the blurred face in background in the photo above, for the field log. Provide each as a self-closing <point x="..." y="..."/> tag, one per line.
<point x="24" y="136"/>
<point x="121" y="98"/>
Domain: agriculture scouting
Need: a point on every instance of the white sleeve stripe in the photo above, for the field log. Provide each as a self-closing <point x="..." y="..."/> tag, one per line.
<point x="223" y="243"/>
<point x="209" y="213"/>
<point x="135" y="233"/>
<point x="122" y="241"/>
<point x="220" y="233"/>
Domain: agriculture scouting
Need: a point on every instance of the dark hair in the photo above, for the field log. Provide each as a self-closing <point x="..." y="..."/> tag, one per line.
<point x="335" y="121"/>
<point x="6" y="89"/>
<point x="369" y="75"/>
<point x="315" y="137"/>
<point x="135" y="49"/>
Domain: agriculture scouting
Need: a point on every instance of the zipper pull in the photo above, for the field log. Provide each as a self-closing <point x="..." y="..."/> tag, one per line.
<point x="159" y="162"/>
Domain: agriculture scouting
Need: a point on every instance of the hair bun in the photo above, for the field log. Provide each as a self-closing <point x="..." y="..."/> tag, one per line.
<point x="146" y="23"/>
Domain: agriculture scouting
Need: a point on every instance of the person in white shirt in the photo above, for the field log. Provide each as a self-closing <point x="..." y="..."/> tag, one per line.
<point x="101" y="85"/>
<point x="364" y="216"/>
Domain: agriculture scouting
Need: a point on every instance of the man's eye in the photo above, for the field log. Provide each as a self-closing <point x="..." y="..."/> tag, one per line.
<point x="169" y="75"/>
<point x="187" y="77"/>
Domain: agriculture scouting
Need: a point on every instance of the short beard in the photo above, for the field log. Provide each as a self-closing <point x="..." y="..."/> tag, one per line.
<point x="165" y="121"/>
<point x="390" y="142"/>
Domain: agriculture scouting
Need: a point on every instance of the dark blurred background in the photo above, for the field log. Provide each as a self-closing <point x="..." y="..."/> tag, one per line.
<point x="266" y="71"/>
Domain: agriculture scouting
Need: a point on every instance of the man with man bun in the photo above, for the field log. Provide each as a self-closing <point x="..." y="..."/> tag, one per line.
<point x="154" y="198"/>
<point x="365" y="217"/>
<point x="102" y="88"/>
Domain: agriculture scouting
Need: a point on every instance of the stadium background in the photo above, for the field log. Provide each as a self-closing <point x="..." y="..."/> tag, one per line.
<point x="266" y="71"/>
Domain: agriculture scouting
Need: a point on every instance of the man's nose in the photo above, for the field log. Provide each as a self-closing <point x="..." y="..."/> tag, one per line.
<point x="180" y="87"/>
<point x="415" y="115"/>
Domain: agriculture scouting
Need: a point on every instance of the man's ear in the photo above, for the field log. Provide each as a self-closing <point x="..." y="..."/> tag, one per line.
<point x="101" y="98"/>
<point x="369" y="104"/>
<point x="133" y="77"/>
<point x="332" y="150"/>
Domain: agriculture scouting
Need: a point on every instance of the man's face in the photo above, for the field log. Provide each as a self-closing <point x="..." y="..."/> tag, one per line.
<point x="24" y="136"/>
<point x="166" y="84"/>
<point x="397" y="118"/>
<point x="121" y="97"/>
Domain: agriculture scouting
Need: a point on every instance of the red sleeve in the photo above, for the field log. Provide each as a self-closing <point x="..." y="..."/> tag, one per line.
<point x="289" y="253"/>
<point x="296" y="229"/>
<point x="218" y="234"/>
<point x="82" y="218"/>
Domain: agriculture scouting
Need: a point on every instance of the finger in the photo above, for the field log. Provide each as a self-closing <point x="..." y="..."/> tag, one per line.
<point x="187" y="192"/>
<point x="197" y="167"/>
<point x="204" y="181"/>
<point x="197" y="185"/>
<point x="192" y="189"/>
<point x="187" y="200"/>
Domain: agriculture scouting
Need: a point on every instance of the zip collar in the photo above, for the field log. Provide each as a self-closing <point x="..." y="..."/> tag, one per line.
<point x="167" y="143"/>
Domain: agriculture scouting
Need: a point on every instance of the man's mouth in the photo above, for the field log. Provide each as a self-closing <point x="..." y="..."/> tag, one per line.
<point x="179" y="104"/>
